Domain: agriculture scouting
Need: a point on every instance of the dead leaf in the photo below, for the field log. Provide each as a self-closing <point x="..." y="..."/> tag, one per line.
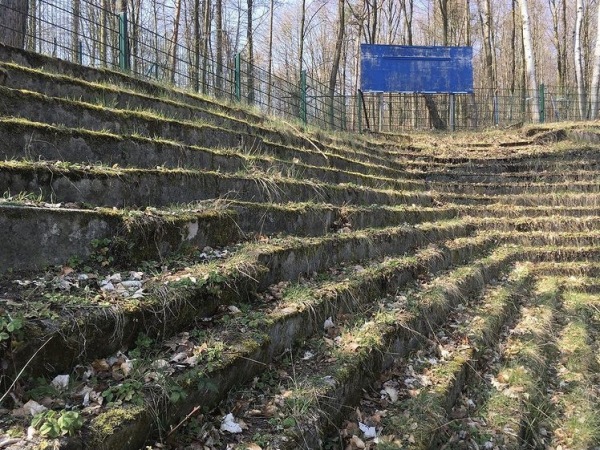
<point x="356" y="443"/>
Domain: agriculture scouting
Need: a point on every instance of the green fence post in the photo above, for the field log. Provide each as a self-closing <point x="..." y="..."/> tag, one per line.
<point x="124" y="63"/>
<point x="542" y="103"/>
<point x="80" y="53"/>
<point x="303" y="109"/>
<point x="237" y="76"/>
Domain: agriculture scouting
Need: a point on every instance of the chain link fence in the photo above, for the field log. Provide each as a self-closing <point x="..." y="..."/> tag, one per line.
<point x="84" y="32"/>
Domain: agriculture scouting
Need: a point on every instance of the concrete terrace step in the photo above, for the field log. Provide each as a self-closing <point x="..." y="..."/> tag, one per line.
<point x="291" y="320"/>
<point x="38" y="109"/>
<point x="511" y="400"/>
<point x="36" y="237"/>
<point x="511" y="211"/>
<point x="51" y="233"/>
<point x="499" y="188"/>
<point x="560" y="199"/>
<point x="104" y="186"/>
<point x="575" y="160"/>
<point x="554" y="224"/>
<point x="30" y="140"/>
<point x="180" y="296"/>
<point x="439" y="373"/>
<point x="125" y="83"/>
<point x="329" y="384"/>
<point x="547" y="176"/>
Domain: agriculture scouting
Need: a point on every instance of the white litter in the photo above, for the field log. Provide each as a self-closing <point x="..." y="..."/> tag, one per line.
<point x="229" y="424"/>
<point x="369" y="432"/>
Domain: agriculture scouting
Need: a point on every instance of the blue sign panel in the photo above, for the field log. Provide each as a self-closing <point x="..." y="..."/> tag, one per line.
<point x="412" y="69"/>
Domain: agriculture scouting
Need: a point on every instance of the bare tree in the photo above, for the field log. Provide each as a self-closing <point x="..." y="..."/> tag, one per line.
<point x="595" y="73"/>
<point x="529" y="60"/>
<point x="174" y="42"/>
<point x="558" y="42"/>
<point x="250" y="44"/>
<point x="577" y="52"/>
<point x="443" y="6"/>
<point x="485" y="18"/>
<point x="408" y="9"/>
<point x="219" y="30"/>
<point x="13" y="22"/>
<point x="206" y="45"/>
<point x="270" y="53"/>
<point x="339" y="43"/>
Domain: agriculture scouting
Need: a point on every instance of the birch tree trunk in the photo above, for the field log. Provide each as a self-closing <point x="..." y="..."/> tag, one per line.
<point x="270" y="56"/>
<point x="596" y="73"/>
<point x="250" y="43"/>
<point x="530" y="61"/>
<point x="579" y="60"/>
<point x="219" y="25"/>
<point x="206" y="45"/>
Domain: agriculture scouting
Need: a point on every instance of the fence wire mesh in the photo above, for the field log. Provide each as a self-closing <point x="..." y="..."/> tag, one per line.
<point x="85" y="32"/>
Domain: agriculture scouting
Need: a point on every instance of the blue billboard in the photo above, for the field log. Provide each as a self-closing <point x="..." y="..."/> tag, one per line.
<point x="416" y="69"/>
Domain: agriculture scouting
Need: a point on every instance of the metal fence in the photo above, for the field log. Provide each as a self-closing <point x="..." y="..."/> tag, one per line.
<point x="389" y="112"/>
<point x="83" y="32"/>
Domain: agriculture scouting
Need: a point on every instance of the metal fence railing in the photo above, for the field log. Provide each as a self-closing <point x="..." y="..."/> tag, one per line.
<point x="84" y="32"/>
<point x="389" y="112"/>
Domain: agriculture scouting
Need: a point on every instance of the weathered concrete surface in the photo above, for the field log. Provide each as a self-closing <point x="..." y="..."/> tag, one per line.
<point x="40" y="108"/>
<point x="90" y="74"/>
<point x="167" y="309"/>
<point x="33" y="237"/>
<point x="34" y="141"/>
<point x="127" y="188"/>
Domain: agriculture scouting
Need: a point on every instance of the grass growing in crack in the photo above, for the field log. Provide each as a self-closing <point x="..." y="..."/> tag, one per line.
<point x="576" y="420"/>
<point x="517" y="407"/>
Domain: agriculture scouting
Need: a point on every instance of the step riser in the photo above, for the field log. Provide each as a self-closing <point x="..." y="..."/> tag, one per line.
<point x="64" y="87"/>
<point x="508" y="211"/>
<point x="313" y="222"/>
<point x="34" y="238"/>
<point x="559" y="225"/>
<point x="38" y="237"/>
<point x="282" y="337"/>
<point x="501" y="179"/>
<point x="27" y="142"/>
<point x="37" y="108"/>
<point x="559" y="200"/>
<point x="507" y="189"/>
<point x="399" y="341"/>
<point x="191" y="303"/>
<point x="89" y="74"/>
<point x="154" y="188"/>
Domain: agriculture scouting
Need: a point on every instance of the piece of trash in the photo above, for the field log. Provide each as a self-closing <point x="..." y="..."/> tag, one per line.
<point x="229" y="424"/>
<point x="61" y="382"/>
<point x="328" y="324"/>
<point x="30" y="408"/>
<point x="392" y="393"/>
<point x="308" y="355"/>
<point x="234" y="309"/>
<point x="369" y="432"/>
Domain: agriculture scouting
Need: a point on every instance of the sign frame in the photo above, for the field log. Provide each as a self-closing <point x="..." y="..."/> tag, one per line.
<point x="416" y="69"/>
